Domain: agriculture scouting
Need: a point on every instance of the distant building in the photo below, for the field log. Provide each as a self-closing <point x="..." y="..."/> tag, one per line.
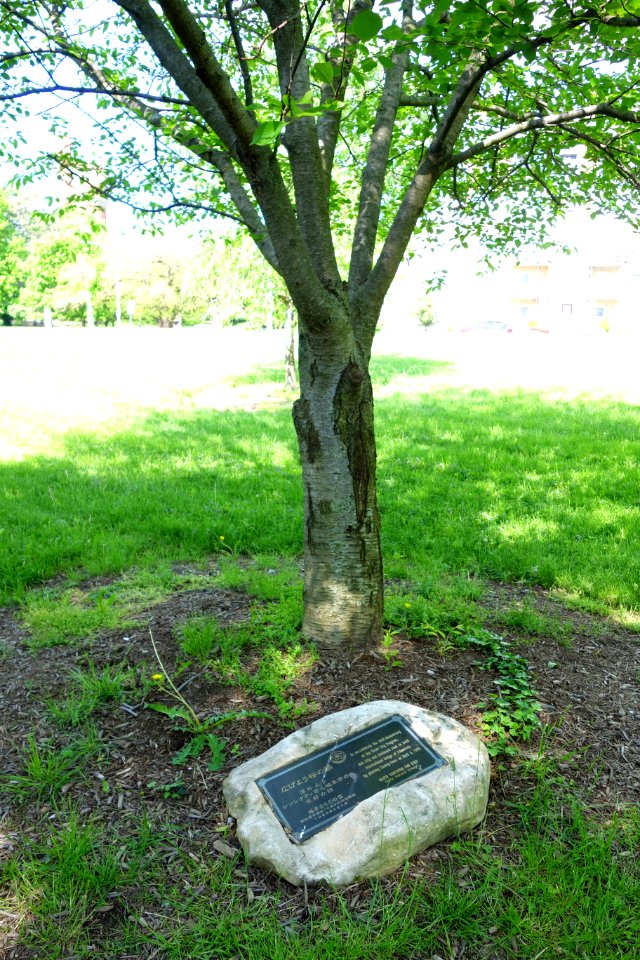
<point x="594" y="288"/>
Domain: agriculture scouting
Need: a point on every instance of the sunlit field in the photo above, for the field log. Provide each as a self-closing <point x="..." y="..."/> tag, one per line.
<point x="126" y="447"/>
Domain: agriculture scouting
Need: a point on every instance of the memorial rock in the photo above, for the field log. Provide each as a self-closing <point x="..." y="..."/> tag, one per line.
<point x="355" y="793"/>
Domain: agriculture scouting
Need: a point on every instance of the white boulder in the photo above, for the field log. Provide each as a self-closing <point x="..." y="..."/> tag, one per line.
<point x="381" y="832"/>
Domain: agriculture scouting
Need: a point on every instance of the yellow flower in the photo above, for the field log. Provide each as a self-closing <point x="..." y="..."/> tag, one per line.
<point x="407" y="605"/>
<point x="157" y="676"/>
<point x="222" y="538"/>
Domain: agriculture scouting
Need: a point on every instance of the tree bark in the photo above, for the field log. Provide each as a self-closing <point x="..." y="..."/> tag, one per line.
<point x="343" y="585"/>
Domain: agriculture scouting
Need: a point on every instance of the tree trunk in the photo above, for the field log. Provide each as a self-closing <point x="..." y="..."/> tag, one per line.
<point x="343" y="588"/>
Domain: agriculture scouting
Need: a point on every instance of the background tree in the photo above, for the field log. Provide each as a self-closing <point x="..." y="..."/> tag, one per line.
<point x="12" y="253"/>
<point x="242" y="286"/>
<point x="63" y="268"/>
<point x="301" y="122"/>
<point x="220" y="279"/>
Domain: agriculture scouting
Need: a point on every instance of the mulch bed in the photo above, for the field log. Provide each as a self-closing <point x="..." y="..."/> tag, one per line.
<point x="589" y="689"/>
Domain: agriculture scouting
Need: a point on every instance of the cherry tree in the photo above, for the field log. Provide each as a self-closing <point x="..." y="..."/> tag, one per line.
<point x="330" y="125"/>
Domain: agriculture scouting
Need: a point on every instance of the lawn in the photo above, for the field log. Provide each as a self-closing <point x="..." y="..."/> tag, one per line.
<point x="144" y="540"/>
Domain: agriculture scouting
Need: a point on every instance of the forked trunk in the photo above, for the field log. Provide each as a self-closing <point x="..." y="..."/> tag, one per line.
<point x="343" y="590"/>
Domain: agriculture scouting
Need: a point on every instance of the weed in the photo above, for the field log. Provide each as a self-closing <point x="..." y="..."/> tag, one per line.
<point x="512" y="713"/>
<point x="524" y="618"/>
<point x="200" y="730"/>
<point x="272" y="632"/>
<point x="276" y="673"/>
<point x="90" y="690"/>
<point x="200" y="638"/>
<point x="46" y="769"/>
<point x="107" y="686"/>
<point x="441" y="609"/>
<point x="173" y="790"/>
<point x="71" y="711"/>
<point x="389" y="652"/>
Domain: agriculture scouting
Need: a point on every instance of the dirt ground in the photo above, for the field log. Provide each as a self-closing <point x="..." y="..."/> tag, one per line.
<point x="589" y="688"/>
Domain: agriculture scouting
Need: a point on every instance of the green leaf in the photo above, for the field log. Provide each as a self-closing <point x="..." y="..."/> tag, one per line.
<point x="174" y="712"/>
<point x="216" y="748"/>
<point x="191" y="750"/>
<point x="267" y="133"/>
<point x="322" y="72"/>
<point x="366" y="25"/>
<point x="394" y="32"/>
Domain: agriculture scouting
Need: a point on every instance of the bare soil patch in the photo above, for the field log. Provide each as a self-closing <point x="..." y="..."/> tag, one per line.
<point x="588" y="685"/>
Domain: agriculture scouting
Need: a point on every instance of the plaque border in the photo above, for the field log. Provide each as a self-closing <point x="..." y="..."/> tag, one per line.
<point x="261" y="782"/>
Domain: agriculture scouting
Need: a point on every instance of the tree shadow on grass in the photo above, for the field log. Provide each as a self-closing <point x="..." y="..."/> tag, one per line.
<point x="516" y="486"/>
<point x="170" y="487"/>
<point x="511" y="486"/>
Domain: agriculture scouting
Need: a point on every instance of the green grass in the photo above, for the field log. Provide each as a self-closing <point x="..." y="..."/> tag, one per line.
<point x="56" y="618"/>
<point x="90" y="689"/>
<point x="167" y="489"/>
<point x="263" y="373"/>
<point x="523" y="618"/>
<point x="568" y="883"/>
<point x="383" y="371"/>
<point x="64" y="616"/>
<point x="472" y="485"/>
<point x="71" y="872"/>
<point x="200" y="638"/>
<point x="46" y="769"/>
<point x="512" y="486"/>
<point x="272" y="634"/>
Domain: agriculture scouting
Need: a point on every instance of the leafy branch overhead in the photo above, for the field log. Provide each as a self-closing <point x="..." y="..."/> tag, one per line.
<point x="423" y="112"/>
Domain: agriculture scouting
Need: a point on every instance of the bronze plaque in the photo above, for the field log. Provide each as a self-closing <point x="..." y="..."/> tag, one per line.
<point x="308" y="795"/>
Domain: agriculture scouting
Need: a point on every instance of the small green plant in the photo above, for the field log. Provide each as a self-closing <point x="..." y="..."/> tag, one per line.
<point x="200" y="638"/>
<point x="513" y="713"/>
<point x="389" y="651"/>
<point x="91" y="689"/>
<point x="276" y="673"/>
<point x="173" y="790"/>
<point x="46" y="769"/>
<point x="442" y="609"/>
<point x="271" y="635"/>
<point x="108" y="685"/>
<point x="71" y="711"/>
<point x="200" y="730"/>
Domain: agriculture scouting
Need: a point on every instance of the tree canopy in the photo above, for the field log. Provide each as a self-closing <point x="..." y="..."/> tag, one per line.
<point x="431" y="112"/>
<point x="307" y="121"/>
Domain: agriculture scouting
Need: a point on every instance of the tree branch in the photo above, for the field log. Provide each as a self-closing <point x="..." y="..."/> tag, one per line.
<point x="420" y="102"/>
<point x="242" y="59"/>
<point x="117" y="95"/>
<point x="605" y="149"/>
<point x="540" y="123"/>
<point x="210" y="91"/>
<point x="180" y="69"/>
<point x="132" y="101"/>
<point x="301" y="141"/>
<point x="370" y="200"/>
<point x="341" y="57"/>
<point x="431" y="165"/>
<point x="207" y="67"/>
<point x="107" y="194"/>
